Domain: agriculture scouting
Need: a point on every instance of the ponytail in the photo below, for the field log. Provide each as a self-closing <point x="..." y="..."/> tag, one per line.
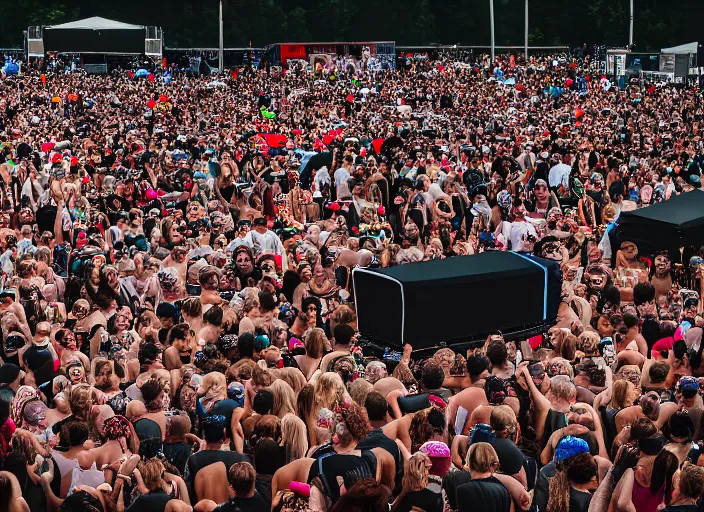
<point x="559" y="493"/>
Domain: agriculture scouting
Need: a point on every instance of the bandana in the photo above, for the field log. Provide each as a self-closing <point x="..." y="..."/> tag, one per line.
<point x="117" y="427"/>
<point x="440" y="457"/>
<point x="34" y="412"/>
<point x="25" y="394"/>
<point x="688" y="386"/>
<point x="570" y="446"/>
<point x="481" y="433"/>
<point x="495" y="390"/>
<point x="325" y="418"/>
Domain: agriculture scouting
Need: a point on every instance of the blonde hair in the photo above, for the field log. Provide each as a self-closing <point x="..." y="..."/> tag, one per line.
<point x="482" y="458"/>
<point x="284" y="398"/>
<point x="359" y="389"/>
<point x="262" y="377"/>
<point x="151" y="471"/>
<point x="415" y="472"/>
<point x="621" y="393"/>
<point x="503" y="419"/>
<point x="291" y="376"/>
<point x="242" y="369"/>
<point x="214" y="385"/>
<point x="295" y="436"/>
<point x="329" y="388"/>
<point x="315" y="343"/>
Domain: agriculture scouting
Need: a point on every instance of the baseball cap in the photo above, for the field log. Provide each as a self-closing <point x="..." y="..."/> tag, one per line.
<point x="8" y="373"/>
<point x="260" y="221"/>
<point x="688" y="386"/>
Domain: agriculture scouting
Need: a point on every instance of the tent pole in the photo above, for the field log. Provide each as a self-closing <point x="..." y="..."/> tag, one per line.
<point x="526" y="34"/>
<point x="222" y="46"/>
<point x="630" y="29"/>
<point x="491" y="22"/>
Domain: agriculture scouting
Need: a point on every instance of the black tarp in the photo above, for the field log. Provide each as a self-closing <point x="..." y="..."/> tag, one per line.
<point x="95" y="35"/>
<point x="677" y="222"/>
<point x="457" y="300"/>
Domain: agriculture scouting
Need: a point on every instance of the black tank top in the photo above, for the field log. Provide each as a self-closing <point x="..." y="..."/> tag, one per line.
<point x="350" y="467"/>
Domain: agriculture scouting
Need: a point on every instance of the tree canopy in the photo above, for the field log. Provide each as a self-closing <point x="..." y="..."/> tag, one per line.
<point x="189" y="23"/>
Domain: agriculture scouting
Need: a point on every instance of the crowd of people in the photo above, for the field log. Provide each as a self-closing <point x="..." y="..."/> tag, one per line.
<point x="177" y="311"/>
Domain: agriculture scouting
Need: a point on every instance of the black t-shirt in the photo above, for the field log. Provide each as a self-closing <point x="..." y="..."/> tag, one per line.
<point x="684" y="508"/>
<point x="510" y="457"/>
<point x="554" y="421"/>
<point x="377" y="439"/>
<point x="579" y="500"/>
<point x="154" y="501"/>
<point x="281" y="177"/>
<point x="177" y="454"/>
<point x="263" y="488"/>
<point x="350" y="467"/>
<point x="225" y="408"/>
<point x="425" y="500"/>
<point x="483" y="495"/>
<point x="147" y="429"/>
<point x="542" y="487"/>
<point x="41" y="361"/>
<point x="254" y="504"/>
<point x="32" y="492"/>
<point x="451" y="482"/>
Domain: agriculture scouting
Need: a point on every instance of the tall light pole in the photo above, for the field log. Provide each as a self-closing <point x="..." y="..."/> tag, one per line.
<point x="491" y="21"/>
<point x="221" y="56"/>
<point x="630" y="29"/>
<point x="525" y="42"/>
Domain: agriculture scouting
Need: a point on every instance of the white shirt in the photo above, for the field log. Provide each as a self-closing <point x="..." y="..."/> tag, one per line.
<point x="268" y="242"/>
<point x="343" y="190"/>
<point x="517" y="233"/>
<point x="560" y="175"/>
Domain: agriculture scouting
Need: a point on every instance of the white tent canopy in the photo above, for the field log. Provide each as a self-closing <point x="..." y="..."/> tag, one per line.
<point x="96" y="23"/>
<point x="682" y="49"/>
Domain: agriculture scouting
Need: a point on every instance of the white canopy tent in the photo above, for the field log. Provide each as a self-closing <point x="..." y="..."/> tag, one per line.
<point x="95" y="23"/>
<point x="682" y="49"/>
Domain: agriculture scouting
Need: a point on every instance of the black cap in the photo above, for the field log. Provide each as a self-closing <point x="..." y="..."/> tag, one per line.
<point x="263" y="402"/>
<point x="8" y="373"/>
<point x="260" y="221"/>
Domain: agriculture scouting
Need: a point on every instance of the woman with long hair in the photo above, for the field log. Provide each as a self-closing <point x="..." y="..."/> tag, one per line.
<point x="307" y="412"/>
<point x="315" y="343"/>
<point x="415" y="494"/>
<point x="649" y="484"/>
<point x="11" y="498"/>
<point x="294" y="437"/>
<point x="569" y="489"/>
<point x="428" y="425"/>
<point x="329" y="389"/>
<point x="291" y="376"/>
<point x="212" y="389"/>
<point x="284" y="398"/>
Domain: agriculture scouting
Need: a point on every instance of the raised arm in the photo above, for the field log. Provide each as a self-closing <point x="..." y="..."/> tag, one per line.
<point x="602" y="496"/>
